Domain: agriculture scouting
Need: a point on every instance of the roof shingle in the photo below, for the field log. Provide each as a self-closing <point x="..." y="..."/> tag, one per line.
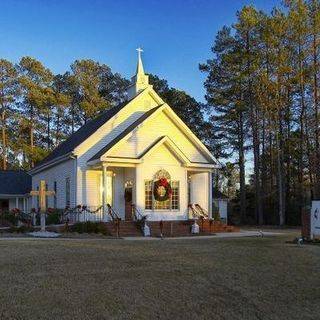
<point x="14" y="182"/>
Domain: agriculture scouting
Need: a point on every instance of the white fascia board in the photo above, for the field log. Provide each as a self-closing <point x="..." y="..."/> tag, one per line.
<point x="189" y="133"/>
<point x="201" y="165"/>
<point x="125" y="160"/>
<point x="173" y="148"/>
<point x="52" y="163"/>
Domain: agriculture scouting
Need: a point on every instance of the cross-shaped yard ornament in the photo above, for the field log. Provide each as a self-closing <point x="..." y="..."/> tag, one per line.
<point x="42" y="193"/>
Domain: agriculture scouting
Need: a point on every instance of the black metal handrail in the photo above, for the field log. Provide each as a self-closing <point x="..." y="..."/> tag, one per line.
<point x="136" y="214"/>
<point x="204" y="213"/>
<point x="198" y="212"/>
<point x="114" y="216"/>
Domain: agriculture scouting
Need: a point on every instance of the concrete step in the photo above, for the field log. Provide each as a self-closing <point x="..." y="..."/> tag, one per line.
<point x="170" y="228"/>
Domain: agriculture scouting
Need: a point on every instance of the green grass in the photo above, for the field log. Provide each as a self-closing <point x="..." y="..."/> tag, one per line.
<point x="247" y="278"/>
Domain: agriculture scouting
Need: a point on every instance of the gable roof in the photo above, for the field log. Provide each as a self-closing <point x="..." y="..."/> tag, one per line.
<point x="211" y="160"/>
<point x="124" y="133"/>
<point x="82" y="134"/>
<point x="172" y="146"/>
<point x="14" y="182"/>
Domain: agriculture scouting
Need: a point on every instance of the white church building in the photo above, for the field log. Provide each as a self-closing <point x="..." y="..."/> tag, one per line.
<point x="138" y="153"/>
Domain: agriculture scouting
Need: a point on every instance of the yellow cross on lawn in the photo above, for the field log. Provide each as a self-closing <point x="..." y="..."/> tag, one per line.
<point x="42" y="193"/>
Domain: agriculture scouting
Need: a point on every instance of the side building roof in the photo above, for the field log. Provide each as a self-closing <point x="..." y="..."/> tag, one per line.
<point x="14" y="182"/>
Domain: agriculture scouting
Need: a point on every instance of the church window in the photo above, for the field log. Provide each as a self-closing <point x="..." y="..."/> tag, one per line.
<point x="148" y="194"/>
<point x="175" y="195"/>
<point x="68" y="192"/>
<point x="38" y="203"/>
<point x="47" y="198"/>
<point x="55" y="194"/>
<point x="170" y="204"/>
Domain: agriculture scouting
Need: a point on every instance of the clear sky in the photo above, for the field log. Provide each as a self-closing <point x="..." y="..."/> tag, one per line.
<point x="176" y="35"/>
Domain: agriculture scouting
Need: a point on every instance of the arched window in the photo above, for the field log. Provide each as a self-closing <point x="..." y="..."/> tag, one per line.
<point x="173" y="203"/>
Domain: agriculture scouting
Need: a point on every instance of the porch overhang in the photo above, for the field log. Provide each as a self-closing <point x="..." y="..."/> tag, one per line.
<point x="126" y="161"/>
<point x="114" y="162"/>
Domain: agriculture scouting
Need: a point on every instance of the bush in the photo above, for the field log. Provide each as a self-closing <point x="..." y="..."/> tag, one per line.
<point x="21" y="229"/>
<point x="53" y="218"/>
<point x="89" y="227"/>
<point x="8" y="217"/>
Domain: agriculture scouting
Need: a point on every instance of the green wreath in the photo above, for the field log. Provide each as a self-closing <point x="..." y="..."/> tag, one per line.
<point x="158" y="186"/>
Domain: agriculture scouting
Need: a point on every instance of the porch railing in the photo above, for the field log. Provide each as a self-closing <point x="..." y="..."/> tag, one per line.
<point x="113" y="215"/>
<point x="136" y="214"/>
<point x="197" y="212"/>
<point x="83" y="214"/>
<point x="204" y="213"/>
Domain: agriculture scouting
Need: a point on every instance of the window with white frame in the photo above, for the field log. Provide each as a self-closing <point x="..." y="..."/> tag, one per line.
<point x="55" y="194"/>
<point x="68" y="192"/>
<point x="47" y="198"/>
<point x="175" y="198"/>
<point x="171" y="204"/>
<point x="38" y="200"/>
<point x="148" y="194"/>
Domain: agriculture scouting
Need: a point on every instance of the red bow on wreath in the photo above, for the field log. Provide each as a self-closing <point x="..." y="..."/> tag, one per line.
<point x="163" y="182"/>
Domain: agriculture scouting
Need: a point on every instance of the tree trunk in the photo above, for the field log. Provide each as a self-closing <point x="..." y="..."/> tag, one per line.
<point x="4" y="141"/>
<point x="316" y="189"/>
<point x="242" y="170"/>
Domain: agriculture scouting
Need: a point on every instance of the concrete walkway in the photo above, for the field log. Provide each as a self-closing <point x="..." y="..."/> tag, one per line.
<point x="241" y="234"/>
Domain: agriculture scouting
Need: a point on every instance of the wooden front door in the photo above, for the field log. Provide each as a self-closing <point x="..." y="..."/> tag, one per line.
<point x="128" y="203"/>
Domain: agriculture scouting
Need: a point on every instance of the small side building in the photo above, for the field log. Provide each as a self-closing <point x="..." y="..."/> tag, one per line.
<point x="15" y="187"/>
<point x="220" y="201"/>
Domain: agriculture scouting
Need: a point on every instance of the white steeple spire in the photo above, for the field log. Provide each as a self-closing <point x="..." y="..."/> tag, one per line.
<point x="140" y="69"/>
<point x="140" y="80"/>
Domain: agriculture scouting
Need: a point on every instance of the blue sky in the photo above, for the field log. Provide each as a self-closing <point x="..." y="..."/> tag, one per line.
<point x="176" y="35"/>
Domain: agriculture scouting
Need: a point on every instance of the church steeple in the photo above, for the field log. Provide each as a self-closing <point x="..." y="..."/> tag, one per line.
<point x="140" y="80"/>
<point x="140" y="70"/>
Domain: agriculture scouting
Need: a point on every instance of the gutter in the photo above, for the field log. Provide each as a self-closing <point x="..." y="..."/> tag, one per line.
<point x="52" y="163"/>
<point x="7" y="196"/>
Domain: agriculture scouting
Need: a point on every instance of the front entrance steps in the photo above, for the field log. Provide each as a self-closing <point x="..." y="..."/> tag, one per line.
<point x="169" y="228"/>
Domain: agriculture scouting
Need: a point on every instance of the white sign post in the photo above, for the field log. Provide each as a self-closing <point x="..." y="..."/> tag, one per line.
<point x="315" y="219"/>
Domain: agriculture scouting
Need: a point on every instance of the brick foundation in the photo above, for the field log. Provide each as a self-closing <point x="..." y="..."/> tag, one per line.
<point x="305" y="223"/>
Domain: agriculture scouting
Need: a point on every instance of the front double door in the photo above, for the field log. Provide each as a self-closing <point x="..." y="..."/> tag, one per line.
<point x="128" y="202"/>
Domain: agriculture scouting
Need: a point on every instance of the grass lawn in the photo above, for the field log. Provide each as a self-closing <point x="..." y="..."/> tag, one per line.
<point x="247" y="278"/>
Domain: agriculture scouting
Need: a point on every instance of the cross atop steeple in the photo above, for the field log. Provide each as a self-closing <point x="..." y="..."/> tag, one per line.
<point x="140" y="70"/>
<point x="140" y="80"/>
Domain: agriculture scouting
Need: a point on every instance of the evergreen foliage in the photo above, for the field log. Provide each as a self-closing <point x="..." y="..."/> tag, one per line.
<point x="263" y="89"/>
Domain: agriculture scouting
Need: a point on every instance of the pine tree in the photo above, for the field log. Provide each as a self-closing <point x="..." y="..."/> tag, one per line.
<point x="35" y="81"/>
<point x="224" y="93"/>
<point x="8" y="96"/>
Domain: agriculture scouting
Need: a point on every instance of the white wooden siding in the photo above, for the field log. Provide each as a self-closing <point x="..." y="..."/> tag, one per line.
<point x="107" y="133"/>
<point x="162" y="158"/>
<point x="58" y="173"/>
<point x="200" y="189"/>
